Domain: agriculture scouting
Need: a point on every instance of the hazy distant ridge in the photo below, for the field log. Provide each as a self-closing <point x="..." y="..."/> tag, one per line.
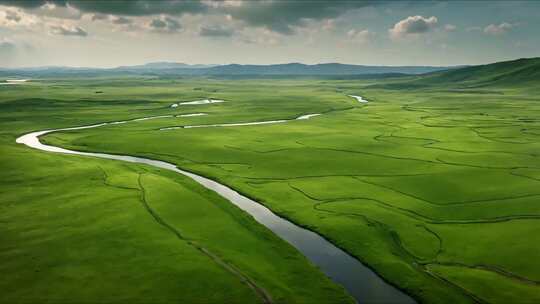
<point x="316" y="69"/>
<point x="164" y="65"/>
<point x="173" y="68"/>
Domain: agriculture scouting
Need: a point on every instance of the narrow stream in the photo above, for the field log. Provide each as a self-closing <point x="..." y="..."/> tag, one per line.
<point x="240" y="124"/>
<point x="360" y="281"/>
<point x="358" y="98"/>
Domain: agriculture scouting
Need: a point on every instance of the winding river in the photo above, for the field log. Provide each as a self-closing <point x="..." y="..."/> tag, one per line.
<point x="360" y="281"/>
<point x="13" y="81"/>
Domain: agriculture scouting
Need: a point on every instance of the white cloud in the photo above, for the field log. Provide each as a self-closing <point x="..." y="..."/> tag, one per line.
<point x="450" y="27"/>
<point x="412" y="26"/>
<point x="16" y="18"/>
<point x="328" y="24"/>
<point x="66" y="30"/>
<point x="498" y="29"/>
<point x="361" y="36"/>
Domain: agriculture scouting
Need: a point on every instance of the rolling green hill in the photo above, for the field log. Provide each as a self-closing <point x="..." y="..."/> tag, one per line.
<point x="515" y="72"/>
<point x="523" y="72"/>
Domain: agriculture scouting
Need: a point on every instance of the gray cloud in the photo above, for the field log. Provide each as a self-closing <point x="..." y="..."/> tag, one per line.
<point x="56" y="11"/>
<point x="13" y="16"/>
<point x="166" y="25"/>
<point x="276" y="15"/>
<point x="140" y="7"/>
<point x="157" y="23"/>
<point x="361" y="36"/>
<point x="68" y="31"/>
<point x="26" y="4"/>
<point x="119" y="7"/>
<point x="99" y="17"/>
<point x="122" y="20"/>
<point x="215" y="32"/>
<point x="282" y="16"/>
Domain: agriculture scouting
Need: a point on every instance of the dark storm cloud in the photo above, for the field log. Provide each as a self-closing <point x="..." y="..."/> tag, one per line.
<point x="215" y="32"/>
<point x="119" y="7"/>
<point x="281" y="16"/>
<point x="276" y="15"/>
<point x="157" y="23"/>
<point x="140" y="7"/>
<point x="30" y="3"/>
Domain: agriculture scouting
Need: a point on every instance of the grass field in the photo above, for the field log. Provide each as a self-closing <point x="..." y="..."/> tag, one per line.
<point x="435" y="187"/>
<point x="82" y="230"/>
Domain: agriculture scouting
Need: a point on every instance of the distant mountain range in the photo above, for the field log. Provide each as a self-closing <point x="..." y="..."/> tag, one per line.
<point x="315" y="69"/>
<point x="523" y="72"/>
<point x="182" y="69"/>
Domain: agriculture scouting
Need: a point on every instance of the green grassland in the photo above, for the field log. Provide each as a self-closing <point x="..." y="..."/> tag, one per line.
<point x="77" y="229"/>
<point x="434" y="184"/>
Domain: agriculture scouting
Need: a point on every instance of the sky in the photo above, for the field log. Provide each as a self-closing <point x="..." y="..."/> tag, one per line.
<point x="87" y="33"/>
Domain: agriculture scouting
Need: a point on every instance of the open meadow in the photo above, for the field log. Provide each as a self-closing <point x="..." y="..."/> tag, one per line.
<point x="434" y="183"/>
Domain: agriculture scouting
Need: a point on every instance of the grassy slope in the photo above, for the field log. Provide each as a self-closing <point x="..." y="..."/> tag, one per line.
<point x="523" y="74"/>
<point x="520" y="72"/>
<point x="76" y="229"/>
<point x="434" y="188"/>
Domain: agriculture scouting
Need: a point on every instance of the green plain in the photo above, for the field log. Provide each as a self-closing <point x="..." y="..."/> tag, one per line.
<point x="435" y="187"/>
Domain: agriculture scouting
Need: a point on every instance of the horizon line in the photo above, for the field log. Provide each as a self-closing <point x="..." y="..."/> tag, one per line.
<point x="247" y="64"/>
<point x="225" y="64"/>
